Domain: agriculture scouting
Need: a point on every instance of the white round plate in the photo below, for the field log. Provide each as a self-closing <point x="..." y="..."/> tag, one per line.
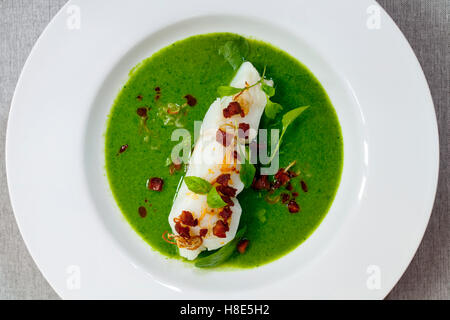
<point x="55" y="162"/>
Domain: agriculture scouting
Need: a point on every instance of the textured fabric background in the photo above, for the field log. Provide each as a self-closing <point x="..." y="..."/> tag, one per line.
<point x="425" y="24"/>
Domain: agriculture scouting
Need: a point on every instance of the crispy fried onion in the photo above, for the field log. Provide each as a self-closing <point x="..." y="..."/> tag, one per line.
<point x="191" y="244"/>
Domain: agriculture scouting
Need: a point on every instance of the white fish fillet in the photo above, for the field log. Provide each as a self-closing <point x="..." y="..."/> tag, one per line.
<point x="207" y="161"/>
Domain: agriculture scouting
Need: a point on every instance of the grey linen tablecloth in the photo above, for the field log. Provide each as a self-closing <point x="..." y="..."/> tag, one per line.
<point x="425" y="24"/>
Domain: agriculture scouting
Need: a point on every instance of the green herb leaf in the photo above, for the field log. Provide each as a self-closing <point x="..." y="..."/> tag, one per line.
<point x="235" y="52"/>
<point x="270" y="91"/>
<point x="214" y="199"/>
<point x="224" y="91"/>
<point x="290" y="116"/>
<point x="287" y="119"/>
<point x="261" y="215"/>
<point x="197" y="185"/>
<point x="247" y="173"/>
<point x="221" y="255"/>
<point x="272" y="109"/>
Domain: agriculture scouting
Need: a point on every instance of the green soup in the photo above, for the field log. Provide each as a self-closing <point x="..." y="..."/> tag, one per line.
<point x="137" y="148"/>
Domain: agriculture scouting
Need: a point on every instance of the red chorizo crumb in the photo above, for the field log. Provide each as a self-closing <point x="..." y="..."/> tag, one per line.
<point x="242" y="246"/>
<point x="157" y="89"/>
<point x="226" y="213"/>
<point x="304" y="186"/>
<point x="203" y="232"/>
<point x="243" y="131"/>
<point x="289" y="187"/>
<point x="142" y="212"/>
<point x="236" y="155"/>
<point x="233" y="108"/>
<point x="223" y="179"/>
<point x="190" y="100"/>
<point x="224" y="138"/>
<point x="220" y="228"/>
<point x="284" y="197"/>
<point x="292" y="174"/>
<point x="142" y="112"/>
<point x="295" y="194"/>
<point x="187" y="219"/>
<point x="227" y="200"/>
<point x="261" y="183"/>
<point x="122" y="149"/>
<point x="228" y="191"/>
<point x="293" y="207"/>
<point x="174" y="166"/>
<point x="156" y="184"/>
<point x="282" y="177"/>
<point x="182" y="231"/>
<point x="139" y="97"/>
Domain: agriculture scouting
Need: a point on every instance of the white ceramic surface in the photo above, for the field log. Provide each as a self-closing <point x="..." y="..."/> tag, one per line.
<point x="55" y="160"/>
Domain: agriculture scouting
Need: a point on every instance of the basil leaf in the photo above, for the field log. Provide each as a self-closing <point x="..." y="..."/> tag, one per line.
<point x="224" y="91"/>
<point x="290" y="116"/>
<point x="214" y="199"/>
<point x="270" y="91"/>
<point x="247" y="173"/>
<point x="197" y="185"/>
<point x="272" y="109"/>
<point x="221" y="255"/>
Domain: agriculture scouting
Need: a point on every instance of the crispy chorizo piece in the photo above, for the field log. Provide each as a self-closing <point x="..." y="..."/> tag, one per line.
<point x="227" y="191"/>
<point x="227" y="200"/>
<point x="226" y="213"/>
<point x="187" y="219"/>
<point x="293" y="206"/>
<point x="242" y="246"/>
<point x="243" y="131"/>
<point x="261" y="183"/>
<point x="156" y="184"/>
<point x="284" y="197"/>
<point x="220" y="229"/>
<point x="233" y="108"/>
<point x="223" y="179"/>
<point x="282" y="177"/>
<point x="224" y="138"/>
<point x="182" y="231"/>
<point x="203" y="232"/>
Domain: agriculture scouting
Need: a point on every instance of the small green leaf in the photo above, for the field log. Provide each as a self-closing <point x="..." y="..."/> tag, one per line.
<point x="197" y="185"/>
<point x="272" y="109"/>
<point x="235" y="51"/>
<point x="290" y="116"/>
<point x="247" y="173"/>
<point x="261" y="215"/>
<point x="224" y="91"/>
<point x="270" y="91"/>
<point x="214" y="199"/>
<point x="221" y="255"/>
<point x="287" y="119"/>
